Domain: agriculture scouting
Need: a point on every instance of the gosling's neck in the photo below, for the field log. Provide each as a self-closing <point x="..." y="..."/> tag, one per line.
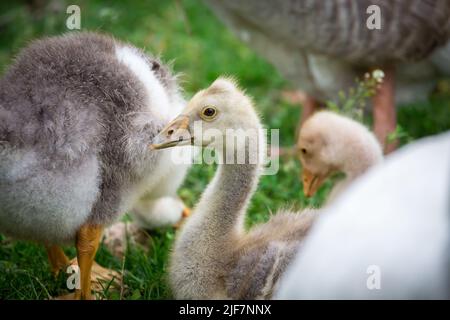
<point x="225" y="206"/>
<point x="220" y="213"/>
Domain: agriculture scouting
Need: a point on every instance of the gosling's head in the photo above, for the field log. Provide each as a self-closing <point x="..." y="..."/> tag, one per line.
<point x="330" y="143"/>
<point x="210" y="114"/>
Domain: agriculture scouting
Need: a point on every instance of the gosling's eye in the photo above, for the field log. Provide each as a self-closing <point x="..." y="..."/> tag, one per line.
<point x="303" y="150"/>
<point x="208" y="113"/>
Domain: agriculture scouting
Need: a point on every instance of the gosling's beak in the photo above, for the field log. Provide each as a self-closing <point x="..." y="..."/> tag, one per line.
<point x="311" y="182"/>
<point x="176" y="133"/>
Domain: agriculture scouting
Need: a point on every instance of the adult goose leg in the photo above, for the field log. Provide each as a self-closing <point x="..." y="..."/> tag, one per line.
<point x="384" y="113"/>
<point x="310" y="105"/>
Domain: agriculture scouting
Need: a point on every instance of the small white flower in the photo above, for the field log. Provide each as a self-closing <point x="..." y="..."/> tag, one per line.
<point x="378" y="75"/>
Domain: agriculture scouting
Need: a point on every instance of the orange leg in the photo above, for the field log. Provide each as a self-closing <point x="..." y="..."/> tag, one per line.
<point x="88" y="239"/>
<point x="384" y="113"/>
<point x="185" y="214"/>
<point x="58" y="260"/>
<point x="90" y="273"/>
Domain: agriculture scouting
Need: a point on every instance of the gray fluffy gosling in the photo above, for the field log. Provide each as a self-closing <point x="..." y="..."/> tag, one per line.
<point x="77" y="113"/>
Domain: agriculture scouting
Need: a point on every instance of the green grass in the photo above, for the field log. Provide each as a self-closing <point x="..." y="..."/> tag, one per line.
<point x="202" y="49"/>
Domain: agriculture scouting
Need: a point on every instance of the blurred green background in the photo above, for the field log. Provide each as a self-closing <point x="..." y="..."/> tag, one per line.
<point x="187" y="34"/>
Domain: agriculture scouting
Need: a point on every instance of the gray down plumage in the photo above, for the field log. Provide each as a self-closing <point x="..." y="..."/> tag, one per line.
<point x="75" y="123"/>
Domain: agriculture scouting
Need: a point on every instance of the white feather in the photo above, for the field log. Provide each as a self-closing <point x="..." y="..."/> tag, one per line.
<point x="157" y="95"/>
<point x="148" y="201"/>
